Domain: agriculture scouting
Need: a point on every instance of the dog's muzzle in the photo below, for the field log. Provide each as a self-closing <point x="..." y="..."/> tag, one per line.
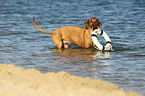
<point x="95" y="26"/>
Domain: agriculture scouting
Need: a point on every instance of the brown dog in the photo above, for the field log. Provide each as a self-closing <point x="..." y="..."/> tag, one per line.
<point x="74" y="35"/>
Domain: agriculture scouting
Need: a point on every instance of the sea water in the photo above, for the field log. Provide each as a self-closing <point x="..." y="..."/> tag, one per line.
<point x="23" y="45"/>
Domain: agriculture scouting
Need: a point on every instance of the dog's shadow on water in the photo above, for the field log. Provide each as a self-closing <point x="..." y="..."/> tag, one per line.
<point x="79" y="54"/>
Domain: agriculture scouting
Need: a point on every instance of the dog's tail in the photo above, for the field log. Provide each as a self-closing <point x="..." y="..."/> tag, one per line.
<point x="39" y="28"/>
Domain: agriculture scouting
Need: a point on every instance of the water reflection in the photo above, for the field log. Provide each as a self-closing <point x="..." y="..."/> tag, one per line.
<point x="100" y="54"/>
<point x="81" y="62"/>
<point x="80" y="54"/>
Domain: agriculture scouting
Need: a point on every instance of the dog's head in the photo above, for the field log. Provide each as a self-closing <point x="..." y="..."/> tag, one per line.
<point x="93" y="23"/>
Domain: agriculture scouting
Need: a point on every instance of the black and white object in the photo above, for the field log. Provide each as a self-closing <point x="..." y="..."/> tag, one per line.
<point x="97" y="44"/>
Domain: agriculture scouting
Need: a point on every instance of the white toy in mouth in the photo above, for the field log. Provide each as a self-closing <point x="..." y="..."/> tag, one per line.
<point x="97" y="44"/>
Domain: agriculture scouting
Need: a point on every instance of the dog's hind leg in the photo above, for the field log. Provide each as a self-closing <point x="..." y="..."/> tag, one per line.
<point x="57" y="40"/>
<point x="57" y="43"/>
<point x="60" y="44"/>
<point x="65" y="45"/>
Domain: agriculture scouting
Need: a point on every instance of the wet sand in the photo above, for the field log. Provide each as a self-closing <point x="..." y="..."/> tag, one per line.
<point x="17" y="81"/>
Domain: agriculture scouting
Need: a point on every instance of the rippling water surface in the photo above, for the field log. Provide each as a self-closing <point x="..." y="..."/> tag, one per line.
<point x="124" y="20"/>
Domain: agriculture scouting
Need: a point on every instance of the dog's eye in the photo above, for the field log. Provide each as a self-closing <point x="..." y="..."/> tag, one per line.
<point x="96" y="21"/>
<point x="91" y="21"/>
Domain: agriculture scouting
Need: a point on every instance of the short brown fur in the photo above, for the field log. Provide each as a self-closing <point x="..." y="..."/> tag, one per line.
<point x="72" y="34"/>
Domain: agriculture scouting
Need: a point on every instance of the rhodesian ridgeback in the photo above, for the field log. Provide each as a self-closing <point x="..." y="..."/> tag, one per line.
<point x="79" y="36"/>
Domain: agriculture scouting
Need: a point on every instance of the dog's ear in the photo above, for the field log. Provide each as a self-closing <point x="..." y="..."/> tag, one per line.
<point x="100" y="24"/>
<point x="86" y="24"/>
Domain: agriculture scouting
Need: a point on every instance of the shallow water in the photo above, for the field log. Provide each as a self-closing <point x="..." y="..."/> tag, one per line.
<point x="22" y="45"/>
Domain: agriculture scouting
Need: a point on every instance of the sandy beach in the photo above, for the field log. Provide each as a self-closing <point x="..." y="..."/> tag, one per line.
<point x="17" y="81"/>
